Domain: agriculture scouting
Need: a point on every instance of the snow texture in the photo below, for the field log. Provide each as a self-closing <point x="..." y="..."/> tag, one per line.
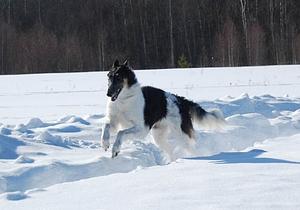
<point x="50" y="149"/>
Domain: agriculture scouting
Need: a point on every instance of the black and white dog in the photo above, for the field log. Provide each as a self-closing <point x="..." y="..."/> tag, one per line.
<point x="132" y="111"/>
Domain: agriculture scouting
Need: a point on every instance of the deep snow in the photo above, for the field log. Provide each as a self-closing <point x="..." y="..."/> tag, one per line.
<point x="50" y="157"/>
<point x="51" y="96"/>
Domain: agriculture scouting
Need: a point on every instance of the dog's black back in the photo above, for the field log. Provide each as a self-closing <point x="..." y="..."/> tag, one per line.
<point x="155" y="105"/>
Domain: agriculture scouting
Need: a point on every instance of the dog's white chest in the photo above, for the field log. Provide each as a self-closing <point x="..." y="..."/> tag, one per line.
<point x="127" y="112"/>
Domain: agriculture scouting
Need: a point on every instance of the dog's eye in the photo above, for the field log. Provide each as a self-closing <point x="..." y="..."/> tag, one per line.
<point x="117" y="77"/>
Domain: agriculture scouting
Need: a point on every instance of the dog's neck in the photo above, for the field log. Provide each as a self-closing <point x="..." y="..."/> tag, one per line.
<point x="130" y="92"/>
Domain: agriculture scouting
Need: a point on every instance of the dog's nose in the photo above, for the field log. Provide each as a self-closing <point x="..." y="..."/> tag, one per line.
<point x="109" y="94"/>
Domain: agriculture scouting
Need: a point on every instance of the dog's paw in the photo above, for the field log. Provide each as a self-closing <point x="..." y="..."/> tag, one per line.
<point x="105" y="145"/>
<point x="115" y="151"/>
<point x="114" y="154"/>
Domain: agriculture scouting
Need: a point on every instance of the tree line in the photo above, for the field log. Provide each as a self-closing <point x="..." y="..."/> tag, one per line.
<point x="77" y="35"/>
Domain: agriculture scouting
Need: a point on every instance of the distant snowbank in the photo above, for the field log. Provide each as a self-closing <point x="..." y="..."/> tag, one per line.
<point x="25" y="96"/>
<point x="172" y="79"/>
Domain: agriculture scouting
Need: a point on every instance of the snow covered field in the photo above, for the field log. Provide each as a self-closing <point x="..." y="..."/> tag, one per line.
<point x="50" y="157"/>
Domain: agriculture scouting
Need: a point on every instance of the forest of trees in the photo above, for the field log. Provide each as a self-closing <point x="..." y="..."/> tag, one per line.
<point x="87" y="35"/>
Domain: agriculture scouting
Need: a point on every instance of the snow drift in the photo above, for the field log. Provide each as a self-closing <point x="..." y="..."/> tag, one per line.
<point x="50" y="144"/>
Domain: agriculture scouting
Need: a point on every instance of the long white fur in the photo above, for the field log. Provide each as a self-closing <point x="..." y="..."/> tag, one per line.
<point x="212" y="120"/>
<point x="125" y="116"/>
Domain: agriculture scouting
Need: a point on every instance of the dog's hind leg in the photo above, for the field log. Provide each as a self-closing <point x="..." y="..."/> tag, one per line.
<point x="186" y="146"/>
<point x="160" y="135"/>
<point x="185" y="142"/>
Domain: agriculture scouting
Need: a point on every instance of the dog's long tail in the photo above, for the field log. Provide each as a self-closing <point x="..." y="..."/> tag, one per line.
<point x="212" y="119"/>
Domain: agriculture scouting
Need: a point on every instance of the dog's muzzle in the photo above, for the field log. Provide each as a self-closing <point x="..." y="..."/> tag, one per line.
<point x="114" y="95"/>
<point x="109" y="94"/>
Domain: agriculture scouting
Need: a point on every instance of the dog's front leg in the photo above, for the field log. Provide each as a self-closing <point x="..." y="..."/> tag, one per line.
<point x="105" y="136"/>
<point x="123" y="134"/>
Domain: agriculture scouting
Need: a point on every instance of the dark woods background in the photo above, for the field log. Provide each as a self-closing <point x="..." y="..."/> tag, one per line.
<point x="83" y="35"/>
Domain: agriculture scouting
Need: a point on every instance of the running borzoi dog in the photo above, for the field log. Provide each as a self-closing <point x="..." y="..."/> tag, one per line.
<point x="132" y="111"/>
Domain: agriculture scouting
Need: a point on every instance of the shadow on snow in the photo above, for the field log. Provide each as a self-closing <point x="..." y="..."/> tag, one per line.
<point x="242" y="157"/>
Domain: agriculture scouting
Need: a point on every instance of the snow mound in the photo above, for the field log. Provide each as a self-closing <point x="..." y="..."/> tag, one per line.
<point x="265" y="105"/>
<point x="35" y="123"/>
<point x="66" y="129"/>
<point x="244" y="131"/>
<point x="15" y="196"/>
<point x="24" y="159"/>
<point x="137" y="156"/>
<point x="73" y="119"/>
<point x="94" y="116"/>
<point x="5" y="131"/>
<point x="23" y="129"/>
<point x="47" y="138"/>
<point x="8" y="147"/>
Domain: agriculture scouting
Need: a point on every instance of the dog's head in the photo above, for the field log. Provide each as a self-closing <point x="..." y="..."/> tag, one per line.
<point x="119" y="77"/>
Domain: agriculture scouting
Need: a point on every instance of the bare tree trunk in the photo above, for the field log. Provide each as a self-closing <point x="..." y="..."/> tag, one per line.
<point x="271" y="8"/>
<point x="256" y="9"/>
<point x="8" y="19"/>
<point x="132" y="22"/>
<point x="285" y="35"/>
<point x="99" y="40"/>
<point x="25" y="7"/>
<point x="230" y="50"/>
<point x="40" y="17"/>
<point x="294" y="52"/>
<point x="125" y="20"/>
<point x="101" y="54"/>
<point x="281" y="34"/>
<point x="156" y="37"/>
<point x="143" y="36"/>
<point x="171" y="35"/>
<point x="244" y="20"/>
<point x="195" y="47"/>
<point x="2" y="48"/>
<point x="186" y="33"/>
<point x="157" y="27"/>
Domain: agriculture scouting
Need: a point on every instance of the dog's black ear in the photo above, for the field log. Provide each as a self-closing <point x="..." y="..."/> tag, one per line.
<point x="116" y="63"/>
<point x="126" y="63"/>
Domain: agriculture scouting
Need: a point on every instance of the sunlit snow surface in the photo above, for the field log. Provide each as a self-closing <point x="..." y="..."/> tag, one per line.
<point x="50" y="154"/>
